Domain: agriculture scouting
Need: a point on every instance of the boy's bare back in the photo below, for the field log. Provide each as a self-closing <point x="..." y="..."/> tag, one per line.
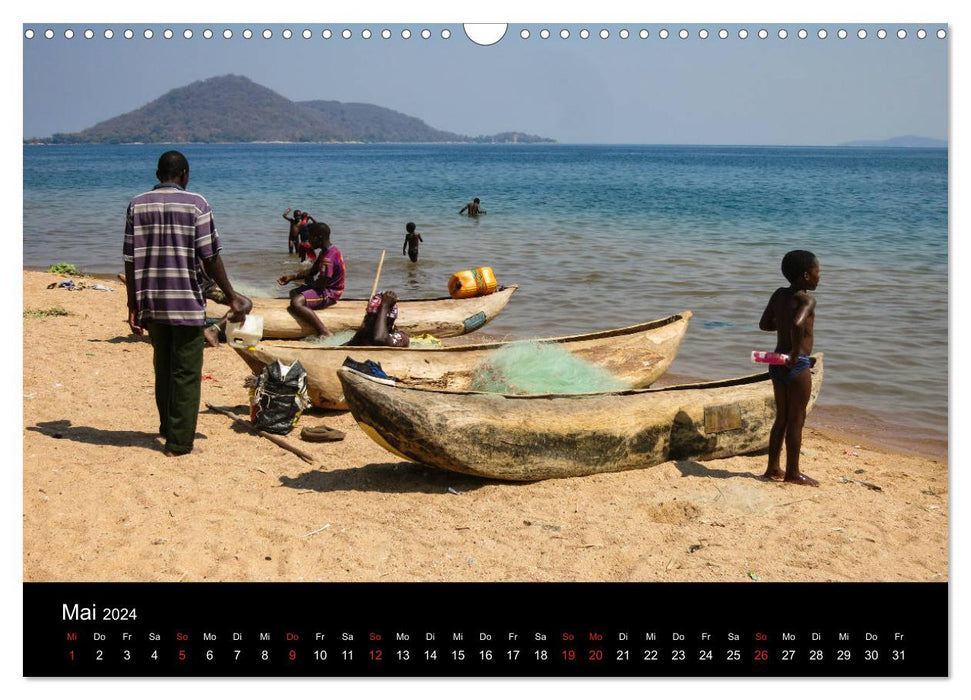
<point x="791" y="313"/>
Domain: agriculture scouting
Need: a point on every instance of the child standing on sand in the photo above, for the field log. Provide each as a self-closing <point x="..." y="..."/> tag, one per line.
<point x="791" y="312"/>
<point x="411" y="242"/>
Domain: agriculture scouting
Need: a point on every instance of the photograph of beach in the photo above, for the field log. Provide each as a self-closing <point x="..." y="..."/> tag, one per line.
<point x="625" y="174"/>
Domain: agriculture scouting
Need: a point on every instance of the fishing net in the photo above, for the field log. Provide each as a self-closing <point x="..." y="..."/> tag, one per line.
<point x="529" y="367"/>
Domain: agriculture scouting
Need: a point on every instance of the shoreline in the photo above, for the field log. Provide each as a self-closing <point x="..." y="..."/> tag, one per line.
<point x="102" y="502"/>
<point x="843" y="422"/>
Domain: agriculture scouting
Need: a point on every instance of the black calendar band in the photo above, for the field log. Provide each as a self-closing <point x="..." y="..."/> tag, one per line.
<point x="499" y="629"/>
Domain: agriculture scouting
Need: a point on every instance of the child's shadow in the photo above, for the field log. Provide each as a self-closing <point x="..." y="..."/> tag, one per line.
<point x="689" y="467"/>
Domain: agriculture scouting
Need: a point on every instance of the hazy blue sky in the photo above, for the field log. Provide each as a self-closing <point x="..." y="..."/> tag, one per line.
<point x="719" y="91"/>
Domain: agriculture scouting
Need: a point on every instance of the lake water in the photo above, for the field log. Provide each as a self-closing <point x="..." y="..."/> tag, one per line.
<point x="595" y="237"/>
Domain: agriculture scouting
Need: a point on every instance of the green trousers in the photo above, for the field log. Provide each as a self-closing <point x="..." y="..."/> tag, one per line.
<point x="178" y="382"/>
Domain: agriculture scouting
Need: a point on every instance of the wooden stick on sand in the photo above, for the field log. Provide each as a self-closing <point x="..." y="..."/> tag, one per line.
<point x="377" y="277"/>
<point x="262" y="433"/>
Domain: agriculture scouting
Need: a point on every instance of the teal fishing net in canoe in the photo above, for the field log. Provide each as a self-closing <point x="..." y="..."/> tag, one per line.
<point x="540" y="368"/>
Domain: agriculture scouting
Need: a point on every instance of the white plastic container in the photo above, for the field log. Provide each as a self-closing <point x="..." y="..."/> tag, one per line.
<point x="246" y="334"/>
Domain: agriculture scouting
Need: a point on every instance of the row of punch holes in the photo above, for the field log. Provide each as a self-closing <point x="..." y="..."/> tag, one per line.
<point x="446" y="33"/>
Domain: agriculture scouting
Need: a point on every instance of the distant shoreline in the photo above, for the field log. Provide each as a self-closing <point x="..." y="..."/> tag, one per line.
<point x="40" y="142"/>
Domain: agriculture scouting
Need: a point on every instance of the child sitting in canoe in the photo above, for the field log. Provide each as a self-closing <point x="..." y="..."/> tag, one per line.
<point x="378" y="325"/>
<point x="322" y="285"/>
<point x="791" y="312"/>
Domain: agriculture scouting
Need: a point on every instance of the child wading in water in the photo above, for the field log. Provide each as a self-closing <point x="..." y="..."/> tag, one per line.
<point x="791" y="312"/>
<point x="412" y="238"/>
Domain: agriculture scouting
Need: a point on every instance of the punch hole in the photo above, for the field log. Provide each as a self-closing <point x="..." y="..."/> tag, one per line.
<point x="643" y="34"/>
<point x="523" y="34"/>
<point x="663" y="34"/>
<point x="486" y="34"/>
<point x="306" y="33"/>
<point x="88" y="34"/>
<point x="703" y="34"/>
<point x="385" y="33"/>
<point x="881" y="34"/>
<point x="267" y="34"/>
<point x="841" y="33"/>
<point x="405" y="33"/>
<point x="148" y="34"/>
<point x="168" y="34"/>
<point x="743" y="33"/>
<point x="129" y="34"/>
<point x="604" y="34"/>
<point x="861" y="33"/>
<point x="624" y="33"/>
<point x="29" y="34"/>
<point x="941" y="34"/>
<point x="803" y="34"/>
<point x="584" y="34"/>
<point x="366" y="34"/>
<point x="326" y="34"/>
<point x="544" y="34"/>
<point x="227" y="34"/>
<point x="49" y="34"/>
<point x="68" y="33"/>
<point x="109" y="34"/>
<point x="722" y="33"/>
<point x="901" y="33"/>
<point x="346" y="34"/>
<point x="821" y="34"/>
<point x="247" y="34"/>
<point x="564" y="33"/>
<point x="446" y="34"/>
<point x="763" y="34"/>
<point x="286" y="34"/>
<point x="187" y="34"/>
<point x="921" y="34"/>
<point x="425" y="34"/>
<point x="783" y="34"/>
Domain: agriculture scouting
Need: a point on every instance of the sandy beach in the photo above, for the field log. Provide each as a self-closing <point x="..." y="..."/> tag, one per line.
<point x="102" y="502"/>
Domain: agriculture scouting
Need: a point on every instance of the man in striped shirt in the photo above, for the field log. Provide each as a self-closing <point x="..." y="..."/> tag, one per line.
<point x="170" y="239"/>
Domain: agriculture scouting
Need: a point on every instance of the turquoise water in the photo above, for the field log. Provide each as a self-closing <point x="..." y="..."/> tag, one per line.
<point x="595" y="236"/>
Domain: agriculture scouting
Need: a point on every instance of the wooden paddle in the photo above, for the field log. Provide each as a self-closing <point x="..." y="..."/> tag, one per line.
<point x="262" y="433"/>
<point x="377" y="277"/>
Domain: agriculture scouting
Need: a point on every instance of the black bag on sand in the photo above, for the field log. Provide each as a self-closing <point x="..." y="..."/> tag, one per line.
<point x="280" y="397"/>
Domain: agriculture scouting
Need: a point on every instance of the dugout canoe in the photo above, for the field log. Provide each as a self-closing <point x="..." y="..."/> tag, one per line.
<point x="443" y="317"/>
<point x="637" y="355"/>
<point x="527" y="438"/>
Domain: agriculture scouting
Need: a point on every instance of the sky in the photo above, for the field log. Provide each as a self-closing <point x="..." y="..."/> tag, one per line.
<point x="769" y="91"/>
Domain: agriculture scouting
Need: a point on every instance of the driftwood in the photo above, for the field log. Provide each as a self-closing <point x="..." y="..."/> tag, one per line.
<point x="872" y="487"/>
<point x="262" y="433"/>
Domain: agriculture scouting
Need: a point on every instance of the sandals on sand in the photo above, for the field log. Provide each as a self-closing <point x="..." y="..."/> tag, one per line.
<point x="321" y="433"/>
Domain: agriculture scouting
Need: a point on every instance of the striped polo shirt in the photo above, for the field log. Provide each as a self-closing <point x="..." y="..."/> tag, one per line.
<point x="169" y="232"/>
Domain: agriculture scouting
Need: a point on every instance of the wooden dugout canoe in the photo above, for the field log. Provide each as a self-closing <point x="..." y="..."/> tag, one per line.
<point x="526" y="438"/>
<point x="637" y="355"/>
<point x="443" y="317"/>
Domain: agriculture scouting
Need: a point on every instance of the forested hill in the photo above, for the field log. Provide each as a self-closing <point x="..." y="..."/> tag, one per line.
<point x="234" y="109"/>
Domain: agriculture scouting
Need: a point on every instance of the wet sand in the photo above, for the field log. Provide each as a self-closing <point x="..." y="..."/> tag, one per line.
<point x="102" y="502"/>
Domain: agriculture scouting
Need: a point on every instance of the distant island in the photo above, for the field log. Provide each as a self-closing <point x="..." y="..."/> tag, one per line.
<point x="234" y="109"/>
<point x="901" y="142"/>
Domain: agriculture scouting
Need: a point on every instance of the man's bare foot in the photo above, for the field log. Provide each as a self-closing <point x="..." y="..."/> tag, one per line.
<point x="774" y="474"/>
<point x="212" y="336"/>
<point x="194" y="451"/>
<point x="802" y="480"/>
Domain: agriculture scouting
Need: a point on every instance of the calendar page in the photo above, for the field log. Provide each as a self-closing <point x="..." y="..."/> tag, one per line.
<point x="526" y="349"/>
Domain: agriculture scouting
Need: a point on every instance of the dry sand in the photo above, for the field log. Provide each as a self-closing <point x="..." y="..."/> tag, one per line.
<point x="102" y="502"/>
